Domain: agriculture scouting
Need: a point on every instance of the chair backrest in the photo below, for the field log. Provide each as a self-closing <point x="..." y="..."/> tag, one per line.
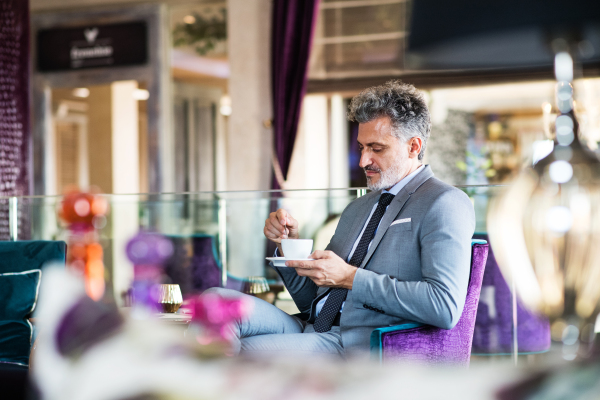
<point x="430" y="344"/>
<point x="493" y="333"/>
<point x="19" y="291"/>
<point x="26" y="255"/>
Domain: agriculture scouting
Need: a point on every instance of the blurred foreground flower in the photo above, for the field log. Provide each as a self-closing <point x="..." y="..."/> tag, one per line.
<point x="84" y="213"/>
<point x="213" y="319"/>
<point x="89" y="350"/>
<point x="148" y="251"/>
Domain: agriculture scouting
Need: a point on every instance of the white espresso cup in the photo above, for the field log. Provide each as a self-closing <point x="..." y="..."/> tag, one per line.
<point x="296" y="249"/>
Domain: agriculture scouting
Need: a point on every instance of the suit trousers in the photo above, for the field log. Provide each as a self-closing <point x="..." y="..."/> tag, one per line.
<point x="267" y="329"/>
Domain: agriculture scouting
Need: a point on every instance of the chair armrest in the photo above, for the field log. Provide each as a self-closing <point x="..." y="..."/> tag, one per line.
<point x="377" y="348"/>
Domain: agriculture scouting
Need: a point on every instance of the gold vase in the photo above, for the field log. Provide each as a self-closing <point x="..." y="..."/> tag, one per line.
<point x="170" y="298"/>
<point x="259" y="287"/>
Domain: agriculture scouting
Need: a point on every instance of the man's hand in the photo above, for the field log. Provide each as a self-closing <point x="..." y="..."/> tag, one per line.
<point x="280" y="225"/>
<point x="327" y="270"/>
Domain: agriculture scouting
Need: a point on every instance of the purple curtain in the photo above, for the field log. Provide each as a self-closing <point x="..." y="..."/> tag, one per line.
<point x="14" y="104"/>
<point x="293" y="27"/>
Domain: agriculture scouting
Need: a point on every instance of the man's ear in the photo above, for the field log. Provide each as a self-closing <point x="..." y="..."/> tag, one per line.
<point x="415" y="145"/>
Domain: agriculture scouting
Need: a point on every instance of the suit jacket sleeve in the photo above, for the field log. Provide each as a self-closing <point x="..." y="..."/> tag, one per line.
<point x="445" y="252"/>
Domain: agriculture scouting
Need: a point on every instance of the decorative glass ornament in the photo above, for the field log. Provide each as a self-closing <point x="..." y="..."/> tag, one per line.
<point x="148" y="251"/>
<point x="545" y="228"/>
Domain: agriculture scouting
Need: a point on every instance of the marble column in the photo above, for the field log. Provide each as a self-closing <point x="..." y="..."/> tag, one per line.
<point x="249" y="141"/>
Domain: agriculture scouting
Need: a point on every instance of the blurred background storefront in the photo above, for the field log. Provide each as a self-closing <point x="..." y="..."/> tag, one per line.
<point x="175" y="96"/>
<point x="198" y="113"/>
<point x="173" y="110"/>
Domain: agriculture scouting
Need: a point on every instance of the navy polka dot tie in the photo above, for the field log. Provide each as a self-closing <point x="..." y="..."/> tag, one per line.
<point x="336" y="297"/>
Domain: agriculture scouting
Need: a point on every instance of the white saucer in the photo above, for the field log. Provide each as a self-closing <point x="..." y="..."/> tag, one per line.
<point x="280" y="261"/>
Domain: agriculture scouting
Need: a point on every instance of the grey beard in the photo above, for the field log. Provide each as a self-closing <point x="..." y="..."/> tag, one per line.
<point x="387" y="178"/>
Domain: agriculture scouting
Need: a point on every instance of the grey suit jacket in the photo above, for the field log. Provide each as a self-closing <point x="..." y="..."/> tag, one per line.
<point x="416" y="270"/>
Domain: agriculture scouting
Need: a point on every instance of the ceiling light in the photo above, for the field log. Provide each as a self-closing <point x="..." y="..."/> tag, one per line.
<point x="547" y="107"/>
<point x="225" y="106"/>
<point x="141" y="94"/>
<point x="81" y="92"/>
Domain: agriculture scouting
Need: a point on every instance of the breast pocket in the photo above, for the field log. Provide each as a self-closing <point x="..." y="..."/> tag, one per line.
<point x="401" y="226"/>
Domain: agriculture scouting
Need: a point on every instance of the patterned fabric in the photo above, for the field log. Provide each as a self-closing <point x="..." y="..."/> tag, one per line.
<point x="14" y="110"/>
<point x="441" y="346"/>
<point x="494" y="325"/>
<point x="336" y="297"/>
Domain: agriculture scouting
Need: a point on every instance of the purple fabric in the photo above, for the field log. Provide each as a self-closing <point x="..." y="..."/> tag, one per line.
<point x="293" y="27"/>
<point x="14" y="105"/>
<point x="195" y="266"/>
<point x="494" y="327"/>
<point x="87" y="322"/>
<point x="429" y="344"/>
<point x="149" y="248"/>
<point x="206" y="273"/>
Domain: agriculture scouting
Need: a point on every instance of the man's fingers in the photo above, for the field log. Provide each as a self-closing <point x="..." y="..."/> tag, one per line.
<point x="305" y="271"/>
<point x="271" y="235"/>
<point x="317" y="254"/>
<point x="294" y="264"/>
<point x="274" y="232"/>
<point x="320" y="254"/>
<point x="273" y="224"/>
<point x="314" y="276"/>
<point x="286" y="219"/>
<point x="306" y="265"/>
<point x="273" y="221"/>
<point x="282" y="216"/>
<point x="291" y="222"/>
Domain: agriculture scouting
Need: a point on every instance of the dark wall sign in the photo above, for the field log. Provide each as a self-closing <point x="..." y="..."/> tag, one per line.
<point x="92" y="46"/>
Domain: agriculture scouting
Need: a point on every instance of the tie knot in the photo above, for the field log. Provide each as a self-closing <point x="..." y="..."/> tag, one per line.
<point x="386" y="199"/>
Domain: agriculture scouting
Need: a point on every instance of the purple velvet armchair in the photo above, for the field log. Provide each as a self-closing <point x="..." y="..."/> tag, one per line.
<point x="429" y="344"/>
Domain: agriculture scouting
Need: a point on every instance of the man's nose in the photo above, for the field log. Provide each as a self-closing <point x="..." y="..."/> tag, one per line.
<point x="364" y="159"/>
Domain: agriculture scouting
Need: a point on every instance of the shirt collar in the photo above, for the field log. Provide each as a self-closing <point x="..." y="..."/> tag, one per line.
<point x="398" y="186"/>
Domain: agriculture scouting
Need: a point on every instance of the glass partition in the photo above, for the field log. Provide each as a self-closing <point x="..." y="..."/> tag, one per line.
<point x="232" y="225"/>
<point x="234" y="219"/>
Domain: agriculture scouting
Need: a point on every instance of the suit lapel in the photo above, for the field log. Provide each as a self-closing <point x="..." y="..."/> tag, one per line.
<point x="357" y="226"/>
<point x="395" y="207"/>
<point x="393" y="210"/>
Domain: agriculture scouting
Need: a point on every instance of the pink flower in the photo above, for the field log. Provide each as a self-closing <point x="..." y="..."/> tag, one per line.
<point x="216" y="313"/>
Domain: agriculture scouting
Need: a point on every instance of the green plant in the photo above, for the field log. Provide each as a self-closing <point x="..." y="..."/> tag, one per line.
<point x="477" y="162"/>
<point x="203" y="34"/>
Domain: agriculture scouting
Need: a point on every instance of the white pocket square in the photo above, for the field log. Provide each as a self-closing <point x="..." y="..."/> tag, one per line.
<point x="400" y="221"/>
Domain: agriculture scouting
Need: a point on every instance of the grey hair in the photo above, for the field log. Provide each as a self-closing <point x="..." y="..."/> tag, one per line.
<point x="402" y="103"/>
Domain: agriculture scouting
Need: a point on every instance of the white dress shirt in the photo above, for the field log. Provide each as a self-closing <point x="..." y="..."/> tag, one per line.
<point x="393" y="190"/>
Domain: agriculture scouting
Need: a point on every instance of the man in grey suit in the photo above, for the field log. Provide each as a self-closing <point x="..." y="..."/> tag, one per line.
<point x="399" y="254"/>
